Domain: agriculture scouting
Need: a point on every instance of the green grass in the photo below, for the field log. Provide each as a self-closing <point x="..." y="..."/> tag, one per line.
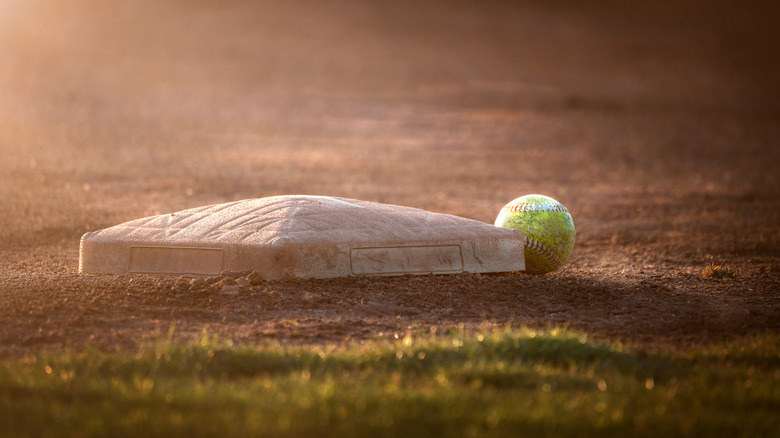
<point x="522" y="382"/>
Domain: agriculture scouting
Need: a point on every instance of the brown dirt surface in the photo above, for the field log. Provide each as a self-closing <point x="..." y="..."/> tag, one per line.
<point x="655" y="124"/>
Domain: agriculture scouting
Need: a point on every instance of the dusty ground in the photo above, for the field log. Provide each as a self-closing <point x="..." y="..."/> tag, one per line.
<point x="657" y="125"/>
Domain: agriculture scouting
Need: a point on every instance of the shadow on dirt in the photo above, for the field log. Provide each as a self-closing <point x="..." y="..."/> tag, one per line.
<point x="113" y="312"/>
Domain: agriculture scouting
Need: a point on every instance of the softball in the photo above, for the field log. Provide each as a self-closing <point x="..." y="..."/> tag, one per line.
<point x="548" y="229"/>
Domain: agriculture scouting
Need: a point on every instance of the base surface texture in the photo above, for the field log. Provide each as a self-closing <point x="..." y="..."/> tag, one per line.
<point x="302" y="236"/>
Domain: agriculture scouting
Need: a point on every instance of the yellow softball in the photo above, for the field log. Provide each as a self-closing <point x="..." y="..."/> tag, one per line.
<point x="548" y="228"/>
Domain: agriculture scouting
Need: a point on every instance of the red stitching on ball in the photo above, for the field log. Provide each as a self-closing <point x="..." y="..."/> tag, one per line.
<point x="542" y="208"/>
<point x="543" y="250"/>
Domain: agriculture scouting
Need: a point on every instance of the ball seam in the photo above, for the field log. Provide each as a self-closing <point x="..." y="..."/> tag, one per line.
<point x="542" y="208"/>
<point x="543" y="250"/>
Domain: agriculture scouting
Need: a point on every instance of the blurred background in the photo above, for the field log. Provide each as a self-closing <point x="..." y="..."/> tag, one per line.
<point x="633" y="114"/>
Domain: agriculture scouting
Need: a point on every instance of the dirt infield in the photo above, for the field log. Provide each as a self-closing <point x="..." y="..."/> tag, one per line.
<point x="656" y="125"/>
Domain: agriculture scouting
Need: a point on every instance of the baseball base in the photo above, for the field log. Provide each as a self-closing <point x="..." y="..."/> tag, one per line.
<point x="302" y="237"/>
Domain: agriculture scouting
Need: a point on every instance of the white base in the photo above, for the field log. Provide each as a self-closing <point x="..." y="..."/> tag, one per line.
<point x="302" y="237"/>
